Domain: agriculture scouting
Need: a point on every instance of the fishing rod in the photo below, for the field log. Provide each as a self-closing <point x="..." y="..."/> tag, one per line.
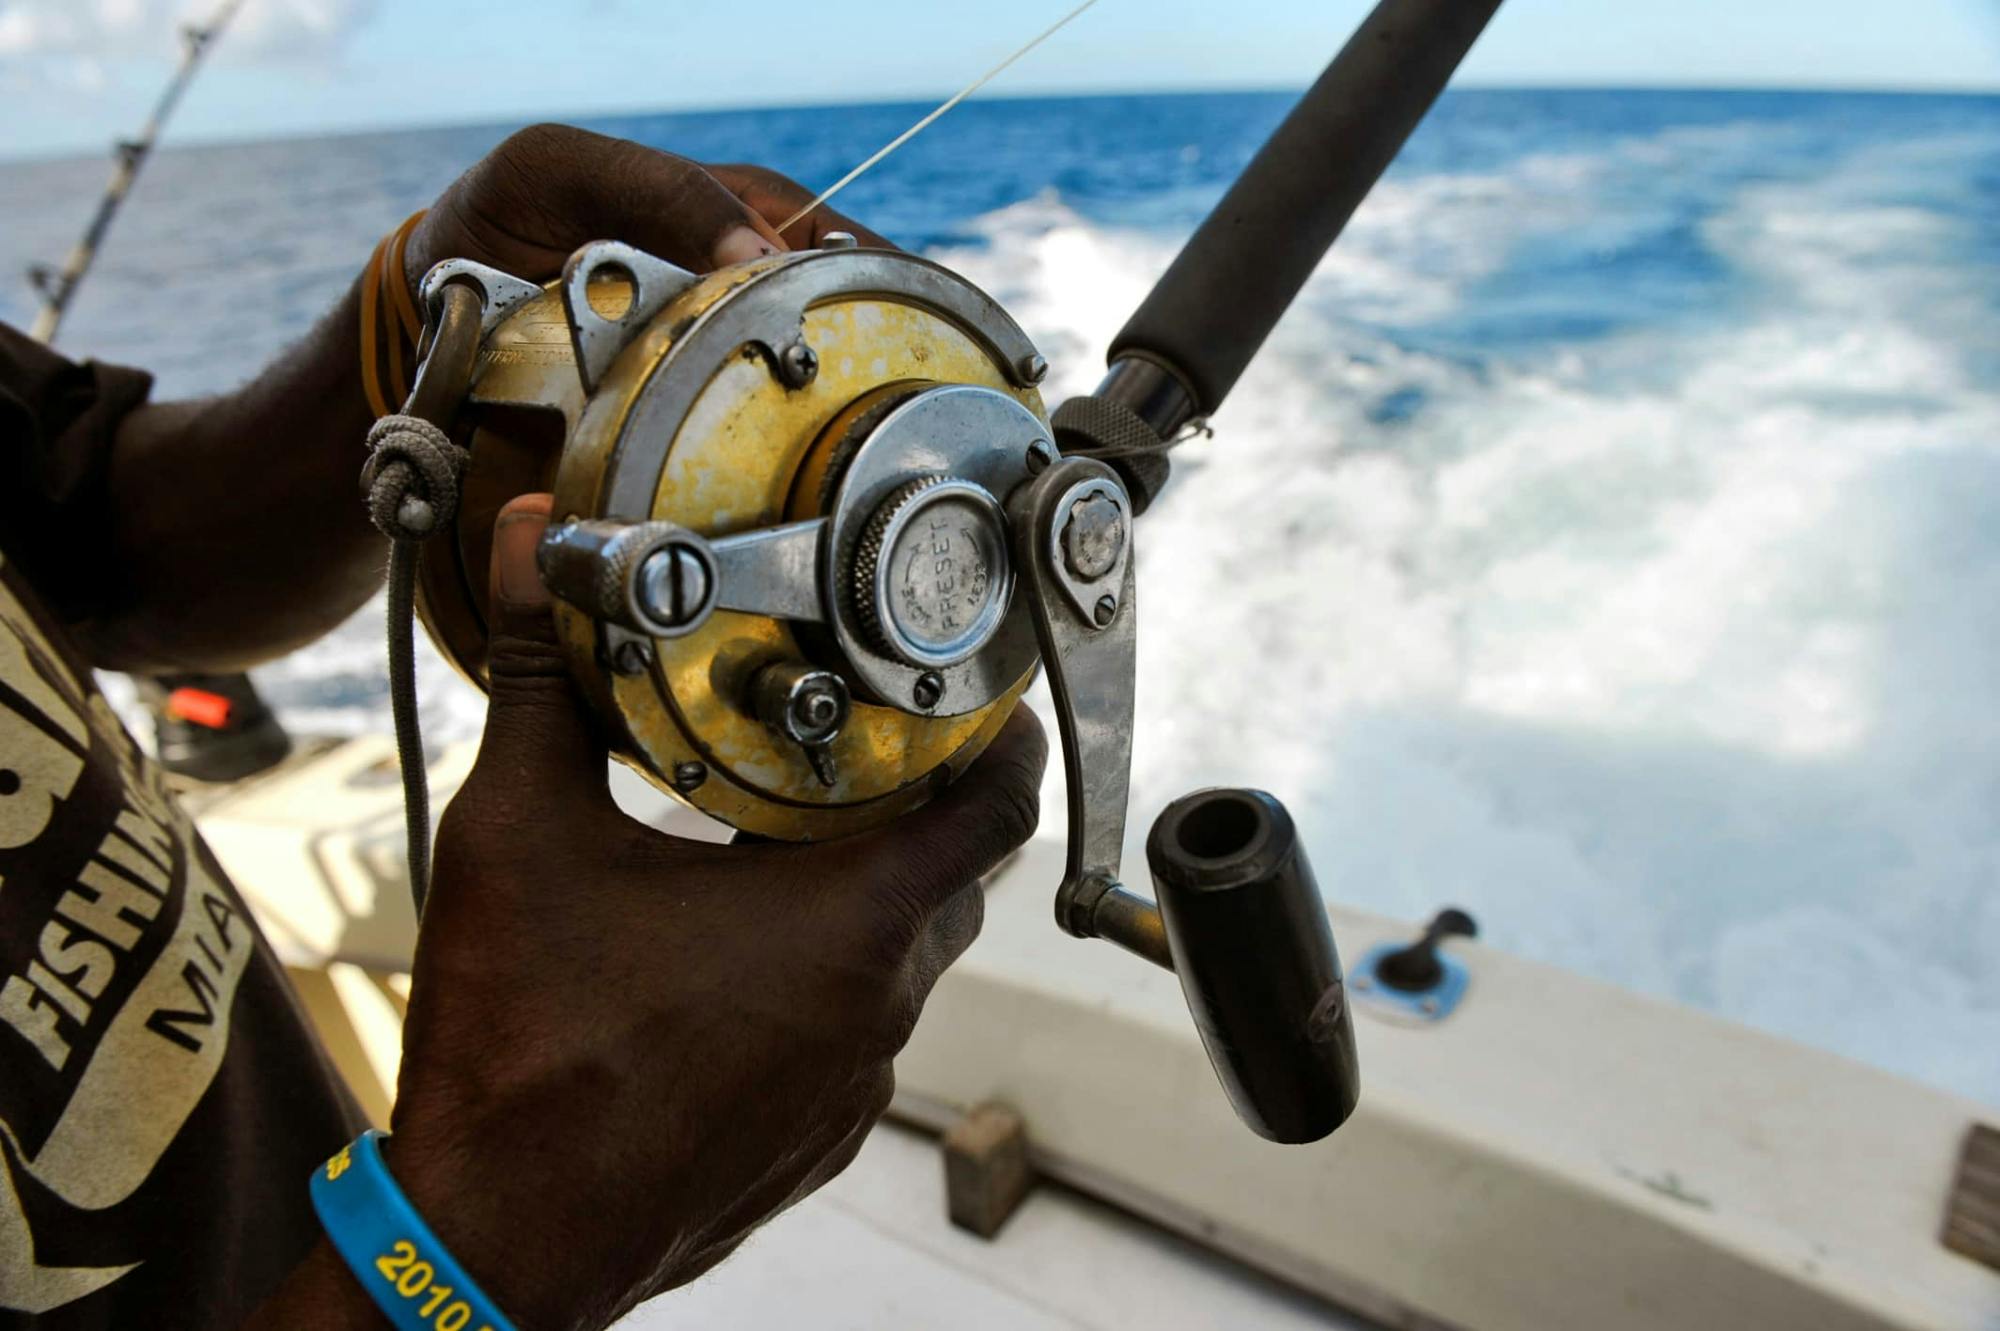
<point x="57" y="287"/>
<point x="1183" y="349"/>
<point x="818" y="532"/>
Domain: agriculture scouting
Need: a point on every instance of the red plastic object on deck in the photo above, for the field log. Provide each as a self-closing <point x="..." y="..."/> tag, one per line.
<point x="199" y="706"/>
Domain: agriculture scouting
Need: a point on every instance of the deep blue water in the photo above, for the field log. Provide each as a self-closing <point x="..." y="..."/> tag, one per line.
<point x="1608" y="542"/>
<point x="1631" y="251"/>
<point x="1159" y="162"/>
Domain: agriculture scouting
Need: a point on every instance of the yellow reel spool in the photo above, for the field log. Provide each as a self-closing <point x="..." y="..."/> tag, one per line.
<point x="741" y="401"/>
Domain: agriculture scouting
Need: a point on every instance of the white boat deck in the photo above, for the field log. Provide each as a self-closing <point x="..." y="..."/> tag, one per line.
<point x="1558" y="1153"/>
<point x="872" y="1251"/>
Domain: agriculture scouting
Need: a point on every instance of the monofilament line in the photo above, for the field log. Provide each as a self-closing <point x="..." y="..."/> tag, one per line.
<point x="918" y="128"/>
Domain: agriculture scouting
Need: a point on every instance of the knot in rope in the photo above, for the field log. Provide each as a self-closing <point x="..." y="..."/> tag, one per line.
<point x="411" y="477"/>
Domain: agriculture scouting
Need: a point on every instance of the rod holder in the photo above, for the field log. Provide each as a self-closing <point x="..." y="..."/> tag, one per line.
<point x="1250" y="941"/>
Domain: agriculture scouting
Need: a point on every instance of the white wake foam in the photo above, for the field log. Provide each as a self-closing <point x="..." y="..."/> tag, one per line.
<point x="1675" y="656"/>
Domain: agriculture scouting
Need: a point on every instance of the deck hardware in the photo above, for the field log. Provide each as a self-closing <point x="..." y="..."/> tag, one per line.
<point x="987" y="1174"/>
<point x="987" y="1170"/>
<point x="1972" y="1216"/>
<point x="1416" y="982"/>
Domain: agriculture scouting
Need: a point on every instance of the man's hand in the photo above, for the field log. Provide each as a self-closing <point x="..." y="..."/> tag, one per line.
<point x="624" y="1050"/>
<point x="237" y="530"/>
<point x="550" y="188"/>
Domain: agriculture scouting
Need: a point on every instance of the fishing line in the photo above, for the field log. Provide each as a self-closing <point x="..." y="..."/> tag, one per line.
<point x="918" y="128"/>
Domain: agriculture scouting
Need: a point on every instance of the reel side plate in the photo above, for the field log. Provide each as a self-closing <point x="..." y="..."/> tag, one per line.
<point x="732" y="461"/>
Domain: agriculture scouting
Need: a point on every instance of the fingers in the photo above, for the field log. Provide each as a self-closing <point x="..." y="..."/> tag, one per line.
<point x="538" y="735"/>
<point x="775" y="198"/>
<point x="923" y="860"/>
<point x="549" y="188"/>
<point x="663" y="204"/>
<point x="674" y="208"/>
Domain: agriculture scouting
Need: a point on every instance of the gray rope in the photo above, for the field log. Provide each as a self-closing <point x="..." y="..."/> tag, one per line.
<point x="411" y="480"/>
<point x="403" y="707"/>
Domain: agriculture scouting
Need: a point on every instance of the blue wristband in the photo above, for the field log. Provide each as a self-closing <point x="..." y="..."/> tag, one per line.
<point x="392" y="1252"/>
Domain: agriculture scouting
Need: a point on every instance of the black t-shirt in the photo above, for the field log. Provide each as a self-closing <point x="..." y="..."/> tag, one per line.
<point x="162" y="1098"/>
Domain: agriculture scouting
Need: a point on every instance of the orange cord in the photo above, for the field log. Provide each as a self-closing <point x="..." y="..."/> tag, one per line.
<point x="388" y="319"/>
<point x="406" y="307"/>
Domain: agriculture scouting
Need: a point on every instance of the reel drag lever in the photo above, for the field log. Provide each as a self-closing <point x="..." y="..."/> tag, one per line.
<point x="1239" y="918"/>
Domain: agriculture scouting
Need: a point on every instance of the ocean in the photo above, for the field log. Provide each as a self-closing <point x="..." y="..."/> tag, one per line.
<point x="1607" y="543"/>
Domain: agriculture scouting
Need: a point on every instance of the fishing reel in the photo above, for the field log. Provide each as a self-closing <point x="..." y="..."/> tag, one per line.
<point x="813" y="537"/>
<point x="815" y="534"/>
<point x="780" y="556"/>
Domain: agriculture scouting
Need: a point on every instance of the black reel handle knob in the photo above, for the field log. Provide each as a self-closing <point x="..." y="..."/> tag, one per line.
<point x="1256" y="958"/>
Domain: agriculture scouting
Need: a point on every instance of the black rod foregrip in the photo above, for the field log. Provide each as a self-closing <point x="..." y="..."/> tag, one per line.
<point x="1251" y="943"/>
<point x="1242" y="267"/>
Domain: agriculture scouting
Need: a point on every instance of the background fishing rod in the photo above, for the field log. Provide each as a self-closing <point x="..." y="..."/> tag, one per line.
<point x="209" y="727"/>
<point x="57" y="287"/>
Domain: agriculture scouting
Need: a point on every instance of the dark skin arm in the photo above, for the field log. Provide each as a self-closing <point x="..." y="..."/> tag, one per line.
<point x="606" y="1087"/>
<point x="238" y="519"/>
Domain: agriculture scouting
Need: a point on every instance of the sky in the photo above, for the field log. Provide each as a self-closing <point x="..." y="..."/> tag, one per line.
<point x="75" y="74"/>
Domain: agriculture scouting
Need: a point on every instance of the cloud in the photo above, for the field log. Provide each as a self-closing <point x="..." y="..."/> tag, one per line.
<point x="53" y="34"/>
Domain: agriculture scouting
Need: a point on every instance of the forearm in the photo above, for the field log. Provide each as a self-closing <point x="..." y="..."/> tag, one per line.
<point x="237" y="521"/>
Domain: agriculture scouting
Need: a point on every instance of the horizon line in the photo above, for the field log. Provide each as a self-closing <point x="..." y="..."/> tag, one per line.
<point x="577" y="116"/>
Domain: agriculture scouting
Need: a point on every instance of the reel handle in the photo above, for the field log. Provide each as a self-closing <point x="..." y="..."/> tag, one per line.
<point x="1240" y="918"/>
<point x="1256" y="959"/>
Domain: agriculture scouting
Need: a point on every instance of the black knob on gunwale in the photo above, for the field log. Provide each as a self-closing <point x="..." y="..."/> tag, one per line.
<point x="1416" y="968"/>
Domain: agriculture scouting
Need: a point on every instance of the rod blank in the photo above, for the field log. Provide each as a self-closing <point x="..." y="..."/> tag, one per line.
<point x="1242" y="268"/>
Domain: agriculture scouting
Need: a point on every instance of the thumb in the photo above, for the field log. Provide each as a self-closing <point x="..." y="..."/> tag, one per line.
<point x="538" y="729"/>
